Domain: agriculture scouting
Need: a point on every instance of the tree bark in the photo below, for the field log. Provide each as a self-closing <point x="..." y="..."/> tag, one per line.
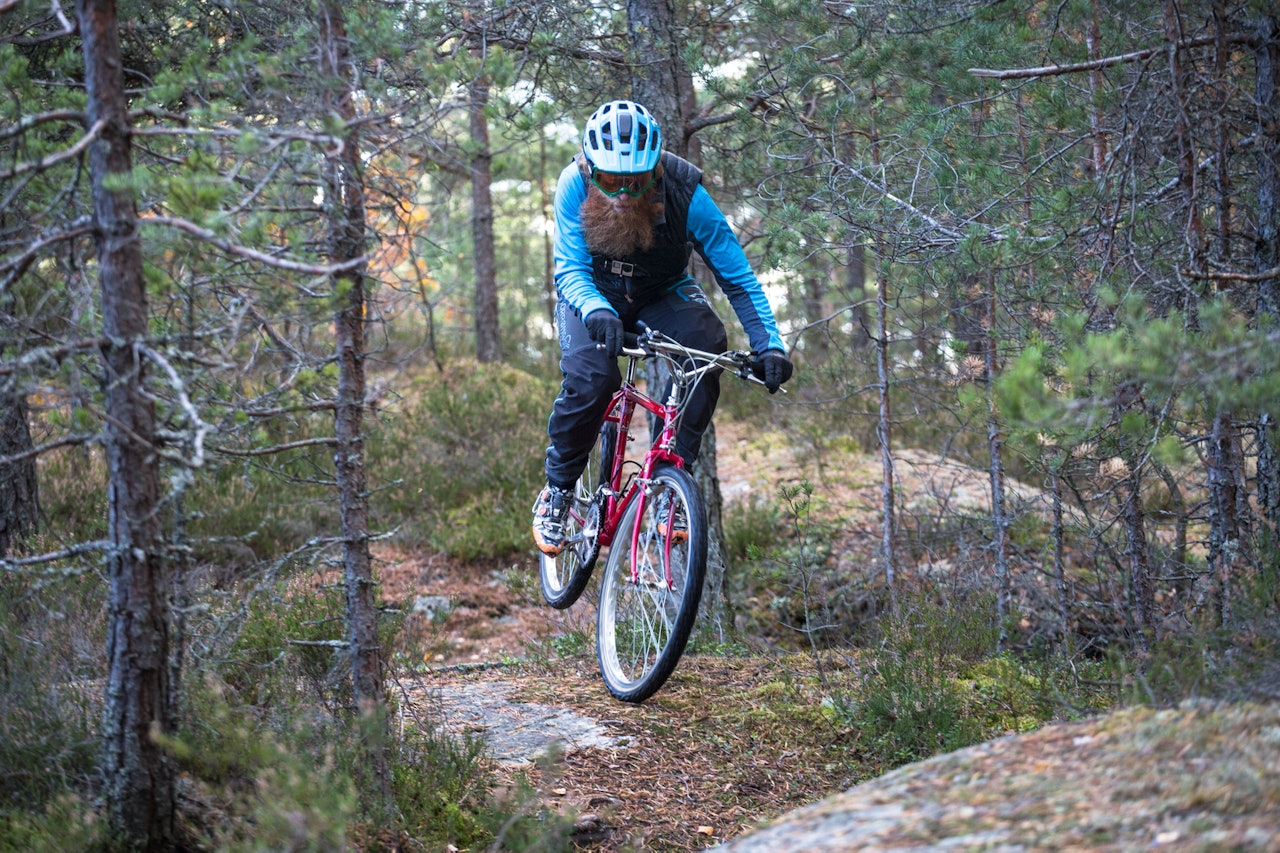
<point x="19" y="492"/>
<point x="488" y="342"/>
<point x="344" y="185"/>
<point x="1141" y="583"/>
<point x="1267" y="248"/>
<point x="138" y="775"/>
<point x="995" y="453"/>
<point x="884" y="421"/>
<point x="1227" y="540"/>
<point x="656" y="70"/>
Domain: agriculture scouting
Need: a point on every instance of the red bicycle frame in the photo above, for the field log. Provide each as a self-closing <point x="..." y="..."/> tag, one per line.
<point x="621" y="409"/>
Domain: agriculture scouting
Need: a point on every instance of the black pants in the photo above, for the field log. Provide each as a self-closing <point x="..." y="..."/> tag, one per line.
<point x="591" y="377"/>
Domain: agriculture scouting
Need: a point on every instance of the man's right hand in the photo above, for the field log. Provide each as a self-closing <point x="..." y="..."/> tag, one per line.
<point x="772" y="368"/>
<point x="605" y="328"/>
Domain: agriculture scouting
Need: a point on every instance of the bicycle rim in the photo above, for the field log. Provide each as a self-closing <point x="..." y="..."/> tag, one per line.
<point x="644" y="620"/>
<point x="565" y="575"/>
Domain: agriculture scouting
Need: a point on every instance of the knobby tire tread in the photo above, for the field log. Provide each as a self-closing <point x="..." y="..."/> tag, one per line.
<point x="695" y="571"/>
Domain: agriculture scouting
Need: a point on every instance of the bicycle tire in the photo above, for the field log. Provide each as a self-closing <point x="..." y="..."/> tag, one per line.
<point x="565" y="576"/>
<point x="642" y="625"/>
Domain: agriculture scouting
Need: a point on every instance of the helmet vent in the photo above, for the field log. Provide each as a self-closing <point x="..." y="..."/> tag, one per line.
<point x="621" y="136"/>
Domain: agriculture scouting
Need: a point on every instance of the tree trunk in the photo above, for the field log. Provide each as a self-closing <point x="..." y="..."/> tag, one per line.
<point x="19" y="494"/>
<point x="1267" y="250"/>
<point x="345" y="194"/>
<point x="488" y="342"/>
<point x="1226" y="539"/>
<point x="1141" y="583"/>
<point x="656" y="70"/>
<point x="715" y="606"/>
<point x="815" y="311"/>
<point x="548" y="251"/>
<point x="884" y="422"/>
<point x="138" y="776"/>
<point x="995" y="452"/>
<point x="884" y="433"/>
<point x="855" y="282"/>
<point x="1059" y="549"/>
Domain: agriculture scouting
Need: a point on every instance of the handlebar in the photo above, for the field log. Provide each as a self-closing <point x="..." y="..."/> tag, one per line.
<point x="648" y="342"/>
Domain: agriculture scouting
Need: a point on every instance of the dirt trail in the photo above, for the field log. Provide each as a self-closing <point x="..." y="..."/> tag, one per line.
<point x="680" y="773"/>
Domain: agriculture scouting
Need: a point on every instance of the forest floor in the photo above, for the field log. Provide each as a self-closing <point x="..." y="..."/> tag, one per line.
<point x="734" y="740"/>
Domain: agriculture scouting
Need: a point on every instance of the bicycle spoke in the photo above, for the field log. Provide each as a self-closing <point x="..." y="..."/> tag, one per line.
<point x="649" y="596"/>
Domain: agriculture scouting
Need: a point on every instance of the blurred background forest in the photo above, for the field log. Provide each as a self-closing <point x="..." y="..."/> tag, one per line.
<point x="276" y="300"/>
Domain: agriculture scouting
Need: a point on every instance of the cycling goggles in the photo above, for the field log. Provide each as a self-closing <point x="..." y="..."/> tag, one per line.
<point x="614" y="185"/>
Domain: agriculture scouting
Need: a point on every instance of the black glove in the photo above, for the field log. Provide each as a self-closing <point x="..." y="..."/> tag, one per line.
<point x="605" y="328"/>
<point x="774" y="368"/>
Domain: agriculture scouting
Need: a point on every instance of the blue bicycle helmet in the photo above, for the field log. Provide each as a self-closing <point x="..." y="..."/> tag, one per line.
<point x="622" y="137"/>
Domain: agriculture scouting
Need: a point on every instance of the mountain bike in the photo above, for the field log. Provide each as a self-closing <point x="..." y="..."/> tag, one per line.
<point x="650" y="516"/>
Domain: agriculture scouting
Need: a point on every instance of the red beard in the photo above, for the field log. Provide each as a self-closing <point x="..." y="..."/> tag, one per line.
<point x="616" y="232"/>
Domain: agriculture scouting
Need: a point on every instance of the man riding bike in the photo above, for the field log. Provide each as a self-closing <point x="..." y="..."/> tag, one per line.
<point x="627" y="217"/>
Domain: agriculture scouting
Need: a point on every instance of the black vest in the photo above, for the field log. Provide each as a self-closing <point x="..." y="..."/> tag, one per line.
<point x="640" y="274"/>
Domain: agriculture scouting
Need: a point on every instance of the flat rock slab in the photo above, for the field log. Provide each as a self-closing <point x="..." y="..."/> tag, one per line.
<point x="516" y="732"/>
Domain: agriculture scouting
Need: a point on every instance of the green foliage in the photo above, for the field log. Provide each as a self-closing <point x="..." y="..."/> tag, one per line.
<point x="73" y="493"/>
<point x="50" y="637"/>
<point x="913" y="710"/>
<point x="465" y="454"/>
<point x="289" y="646"/>
<point x="937" y="684"/>
<point x="278" y="781"/>
<point x="68" y="822"/>
<point x="751" y="527"/>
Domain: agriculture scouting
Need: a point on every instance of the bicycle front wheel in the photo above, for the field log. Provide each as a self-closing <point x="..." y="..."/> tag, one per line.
<point x="652" y="585"/>
<point x="565" y="575"/>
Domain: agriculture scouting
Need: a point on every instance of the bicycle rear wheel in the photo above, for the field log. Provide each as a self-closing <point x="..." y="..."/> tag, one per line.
<point x="645" y="616"/>
<point x="565" y="575"/>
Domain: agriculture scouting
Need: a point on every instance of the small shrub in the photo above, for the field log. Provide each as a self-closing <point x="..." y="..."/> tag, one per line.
<point x="752" y="524"/>
<point x="73" y="495"/>
<point x="51" y="636"/>
<point x="463" y="459"/>
<point x="67" y="822"/>
<point x="913" y="709"/>
<point x="282" y="651"/>
<point x="277" y="782"/>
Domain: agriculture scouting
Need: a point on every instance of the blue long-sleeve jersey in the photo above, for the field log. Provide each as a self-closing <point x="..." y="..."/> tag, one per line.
<point x="705" y="228"/>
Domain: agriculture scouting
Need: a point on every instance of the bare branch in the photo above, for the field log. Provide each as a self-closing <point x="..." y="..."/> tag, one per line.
<point x="16" y="265"/>
<point x="278" y="448"/>
<point x="55" y="354"/>
<point x="1265" y="275"/>
<point x="31" y="121"/>
<point x="704" y="122"/>
<point x="74" y="551"/>
<point x="252" y="254"/>
<point x="314" y="406"/>
<point x="1093" y="65"/>
<point x="198" y="428"/>
<point x="54" y="159"/>
<point x="45" y="448"/>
